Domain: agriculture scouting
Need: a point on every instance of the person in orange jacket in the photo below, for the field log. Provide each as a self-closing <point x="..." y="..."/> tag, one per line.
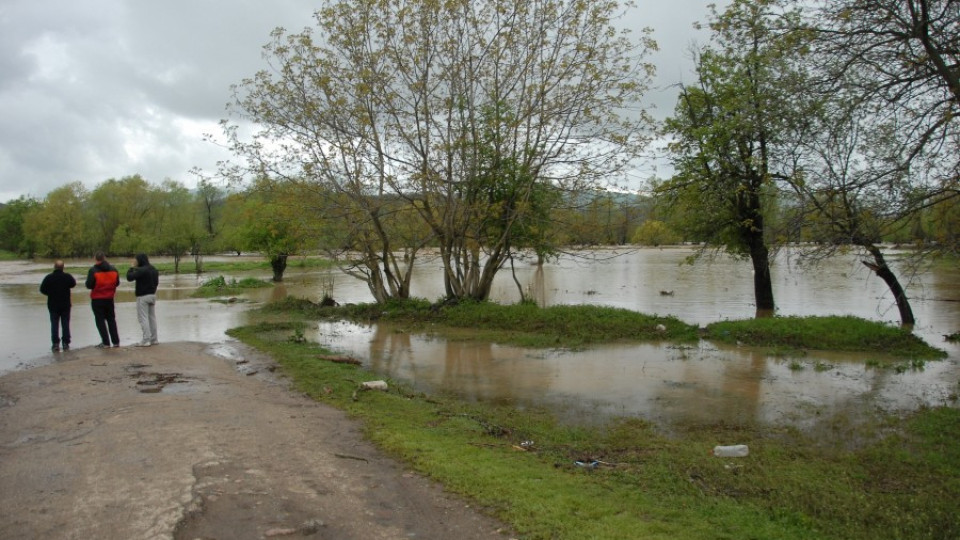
<point x="103" y="280"/>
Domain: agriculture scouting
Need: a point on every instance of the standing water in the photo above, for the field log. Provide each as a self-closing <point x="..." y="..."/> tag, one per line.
<point x="666" y="383"/>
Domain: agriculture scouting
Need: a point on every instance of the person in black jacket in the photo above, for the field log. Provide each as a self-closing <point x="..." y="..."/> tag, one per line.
<point x="56" y="286"/>
<point x="147" y="280"/>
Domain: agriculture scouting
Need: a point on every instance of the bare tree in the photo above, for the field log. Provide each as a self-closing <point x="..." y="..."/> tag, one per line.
<point x="888" y="75"/>
<point x="899" y="63"/>
<point x="847" y="196"/>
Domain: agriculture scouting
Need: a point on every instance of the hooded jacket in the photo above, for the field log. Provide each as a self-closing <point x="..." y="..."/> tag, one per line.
<point x="103" y="280"/>
<point x="146" y="276"/>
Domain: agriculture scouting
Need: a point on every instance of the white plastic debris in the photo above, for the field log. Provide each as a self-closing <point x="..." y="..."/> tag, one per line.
<point x="736" y="450"/>
<point x="374" y="385"/>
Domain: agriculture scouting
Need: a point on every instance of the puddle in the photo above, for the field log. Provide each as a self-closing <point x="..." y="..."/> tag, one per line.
<point x="667" y="384"/>
<point x="154" y="383"/>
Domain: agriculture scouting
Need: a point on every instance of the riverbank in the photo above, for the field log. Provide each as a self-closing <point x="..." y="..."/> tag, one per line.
<point x="889" y="477"/>
<point x="175" y="442"/>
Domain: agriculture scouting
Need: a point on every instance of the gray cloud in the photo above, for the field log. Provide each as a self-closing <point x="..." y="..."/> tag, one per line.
<point x="98" y="89"/>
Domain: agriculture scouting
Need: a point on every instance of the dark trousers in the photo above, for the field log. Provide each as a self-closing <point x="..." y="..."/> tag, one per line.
<point x="59" y="319"/>
<point x="105" y="318"/>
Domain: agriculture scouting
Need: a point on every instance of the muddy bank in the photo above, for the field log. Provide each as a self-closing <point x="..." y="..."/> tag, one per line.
<point x="173" y="441"/>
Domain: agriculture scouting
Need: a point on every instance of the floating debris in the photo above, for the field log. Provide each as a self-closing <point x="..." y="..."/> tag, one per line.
<point x="374" y="385"/>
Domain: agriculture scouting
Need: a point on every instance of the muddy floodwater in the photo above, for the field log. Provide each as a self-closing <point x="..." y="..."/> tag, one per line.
<point x="666" y="383"/>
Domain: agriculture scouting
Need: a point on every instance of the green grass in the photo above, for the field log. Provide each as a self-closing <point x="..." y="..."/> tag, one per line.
<point x="8" y="255"/>
<point x="900" y="480"/>
<point x="831" y="333"/>
<point x="523" y="324"/>
<point x="219" y="286"/>
<point x="528" y="325"/>
<point x="189" y="267"/>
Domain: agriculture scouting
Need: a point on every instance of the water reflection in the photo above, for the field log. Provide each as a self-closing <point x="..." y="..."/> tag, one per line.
<point x="662" y="382"/>
<point x="705" y="383"/>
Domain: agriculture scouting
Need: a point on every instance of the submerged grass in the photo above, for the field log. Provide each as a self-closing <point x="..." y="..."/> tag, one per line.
<point x="901" y="481"/>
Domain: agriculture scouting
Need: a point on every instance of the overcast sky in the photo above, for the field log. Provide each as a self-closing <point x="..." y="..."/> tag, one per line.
<point x="99" y="89"/>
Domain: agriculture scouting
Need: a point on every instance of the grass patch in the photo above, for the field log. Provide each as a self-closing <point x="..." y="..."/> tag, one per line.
<point x="902" y="481"/>
<point x="189" y="267"/>
<point x="8" y="255"/>
<point x="219" y="286"/>
<point x="523" y="324"/>
<point x="832" y="333"/>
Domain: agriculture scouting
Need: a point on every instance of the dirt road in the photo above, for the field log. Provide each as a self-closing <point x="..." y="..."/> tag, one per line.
<point x="174" y="442"/>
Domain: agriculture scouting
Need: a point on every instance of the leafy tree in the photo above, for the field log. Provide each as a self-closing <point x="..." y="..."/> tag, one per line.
<point x="211" y="199"/>
<point x="129" y="240"/>
<point x="12" y="216"/>
<point x="445" y="107"/>
<point x="178" y="227"/>
<point x="945" y="214"/>
<point x="654" y="233"/>
<point x="59" y="225"/>
<point x="735" y="132"/>
<point x="273" y="224"/>
<point x="115" y="203"/>
<point x="231" y="237"/>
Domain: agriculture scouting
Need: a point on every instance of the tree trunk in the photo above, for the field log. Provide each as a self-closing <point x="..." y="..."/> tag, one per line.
<point x="279" y="265"/>
<point x="879" y="267"/>
<point x="762" y="281"/>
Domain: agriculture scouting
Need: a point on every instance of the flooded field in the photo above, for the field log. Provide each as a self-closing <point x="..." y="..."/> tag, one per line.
<point x="662" y="382"/>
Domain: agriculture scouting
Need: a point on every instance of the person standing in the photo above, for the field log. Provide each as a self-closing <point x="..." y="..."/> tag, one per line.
<point x="56" y="287"/>
<point x="147" y="280"/>
<point x="103" y="280"/>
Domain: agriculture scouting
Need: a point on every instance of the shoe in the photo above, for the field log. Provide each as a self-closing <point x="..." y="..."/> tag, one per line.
<point x="142" y="344"/>
<point x="102" y="346"/>
<point x="154" y="342"/>
<point x="65" y="347"/>
<point x="55" y="348"/>
<point x="116" y="345"/>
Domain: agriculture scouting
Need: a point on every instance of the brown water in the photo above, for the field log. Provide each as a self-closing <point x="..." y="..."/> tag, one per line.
<point x="662" y="382"/>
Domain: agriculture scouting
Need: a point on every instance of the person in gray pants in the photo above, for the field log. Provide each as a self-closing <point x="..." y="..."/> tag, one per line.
<point x="147" y="280"/>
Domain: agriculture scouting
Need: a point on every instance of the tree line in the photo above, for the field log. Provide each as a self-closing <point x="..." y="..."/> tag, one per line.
<point x="130" y="215"/>
<point x="486" y="128"/>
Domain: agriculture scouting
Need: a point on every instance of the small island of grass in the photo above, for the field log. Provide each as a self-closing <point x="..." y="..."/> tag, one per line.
<point x="219" y="286"/>
<point x="528" y="325"/>
<point x="828" y="333"/>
